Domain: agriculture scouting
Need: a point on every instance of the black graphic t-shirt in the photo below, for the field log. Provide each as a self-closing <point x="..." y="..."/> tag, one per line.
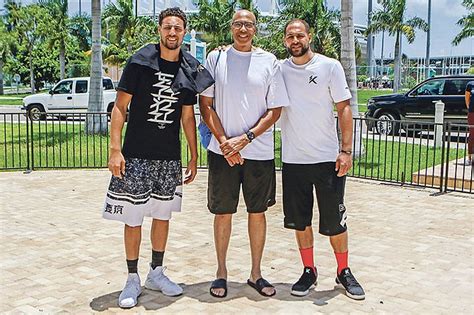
<point x="155" y="111"/>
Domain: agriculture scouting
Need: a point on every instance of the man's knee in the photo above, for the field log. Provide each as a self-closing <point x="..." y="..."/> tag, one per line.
<point x="257" y="217"/>
<point x="221" y="218"/>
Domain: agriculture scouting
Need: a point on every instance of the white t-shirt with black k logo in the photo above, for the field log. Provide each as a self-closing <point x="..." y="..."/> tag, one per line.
<point x="308" y="126"/>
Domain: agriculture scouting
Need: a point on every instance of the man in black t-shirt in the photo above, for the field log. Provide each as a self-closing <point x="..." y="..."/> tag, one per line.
<point x="160" y="82"/>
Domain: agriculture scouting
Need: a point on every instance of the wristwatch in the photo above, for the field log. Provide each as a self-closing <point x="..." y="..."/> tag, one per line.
<point x="250" y="135"/>
<point x="346" y="151"/>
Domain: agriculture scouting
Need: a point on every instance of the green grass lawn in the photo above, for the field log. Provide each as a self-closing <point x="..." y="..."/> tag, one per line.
<point x="14" y="102"/>
<point x="65" y="145"/>
<point x="14" y="99"/>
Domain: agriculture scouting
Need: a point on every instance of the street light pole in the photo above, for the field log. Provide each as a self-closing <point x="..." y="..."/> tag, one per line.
<point x="428" y="43"/>
<point x="369" y="41"/>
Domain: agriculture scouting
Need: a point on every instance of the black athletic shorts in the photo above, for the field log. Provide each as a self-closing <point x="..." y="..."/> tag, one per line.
<point x="257" y="179"/>
<point x="298" y="182"/>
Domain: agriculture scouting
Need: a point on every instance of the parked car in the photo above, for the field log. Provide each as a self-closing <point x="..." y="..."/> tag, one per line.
<point x="67" y="96"/>
<point x="417" y="106"/>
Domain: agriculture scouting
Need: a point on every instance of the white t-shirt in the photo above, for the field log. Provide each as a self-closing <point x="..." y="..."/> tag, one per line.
<point x="247" y="85"/>
<point x="308" y="126"/>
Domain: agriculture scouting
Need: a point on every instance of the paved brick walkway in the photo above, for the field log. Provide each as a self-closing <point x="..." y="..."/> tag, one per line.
<point x="412" y="252"/>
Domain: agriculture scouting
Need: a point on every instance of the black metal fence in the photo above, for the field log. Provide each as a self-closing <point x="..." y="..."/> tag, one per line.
<point x="406" y="153"/>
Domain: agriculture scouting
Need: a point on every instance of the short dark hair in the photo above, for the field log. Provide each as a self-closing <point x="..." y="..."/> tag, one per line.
<point x="306" y="25"/>
<point x="172" y="12"/>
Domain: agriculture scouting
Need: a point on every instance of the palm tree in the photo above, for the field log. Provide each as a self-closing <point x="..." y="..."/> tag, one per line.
<point x="466" y="22"/>
<point x="96" y="124"/>
<point x="324" y="26"/>
<point x="348" y="61"/>
<point x="391" y="18"/>
<point x="213" y="19"/>
<point x="58" y="29"/>
<point x="121" y="18"/>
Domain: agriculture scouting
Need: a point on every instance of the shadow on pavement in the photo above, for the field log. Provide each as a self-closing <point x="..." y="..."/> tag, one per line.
<point x="154" y="300"/>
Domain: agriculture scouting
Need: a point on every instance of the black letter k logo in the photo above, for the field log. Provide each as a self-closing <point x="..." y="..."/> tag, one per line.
<point x="312" y="79"/>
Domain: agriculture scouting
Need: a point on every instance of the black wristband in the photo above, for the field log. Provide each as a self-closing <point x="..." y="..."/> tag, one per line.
<point x="346" y="152"/>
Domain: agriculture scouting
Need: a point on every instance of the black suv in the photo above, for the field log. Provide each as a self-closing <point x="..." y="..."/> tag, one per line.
<point x="417" y="106"/>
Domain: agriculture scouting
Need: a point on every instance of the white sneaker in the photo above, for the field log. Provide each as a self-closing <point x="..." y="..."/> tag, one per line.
<point x="157" y="280"/>
<point x="130" y="293"/>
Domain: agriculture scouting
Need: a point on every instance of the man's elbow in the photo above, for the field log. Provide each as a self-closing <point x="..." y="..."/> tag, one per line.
<point x="276" y="113"/>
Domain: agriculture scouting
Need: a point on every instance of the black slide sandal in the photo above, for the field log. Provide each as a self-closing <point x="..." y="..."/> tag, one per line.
<point x="219" y="284"/>
<point x="260" y="284"/>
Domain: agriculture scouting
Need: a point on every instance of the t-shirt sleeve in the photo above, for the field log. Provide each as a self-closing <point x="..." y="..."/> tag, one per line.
<point x="210" y="66"/>
<point x="129" y="79"/>
<point x="469" y="86"/>
<point x="190" y="99"/>
<point x="277" y="95"/>
<point x="338" y="87"/>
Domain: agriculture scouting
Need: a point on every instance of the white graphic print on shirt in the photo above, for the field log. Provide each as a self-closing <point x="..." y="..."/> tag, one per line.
<point x="163" y="100"/>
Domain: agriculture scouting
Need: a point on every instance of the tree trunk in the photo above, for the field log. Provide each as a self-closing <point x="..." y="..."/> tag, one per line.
<point x="32" y="74"/>
<point x="348" y="62"/>
<point x="397" y="61"/>
<point x="1" y="76"/>
<point x="95" y="123"/>
<point x="62" y="60"/>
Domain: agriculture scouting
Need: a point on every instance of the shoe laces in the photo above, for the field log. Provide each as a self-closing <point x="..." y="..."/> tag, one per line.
<point x="350" y="279"/>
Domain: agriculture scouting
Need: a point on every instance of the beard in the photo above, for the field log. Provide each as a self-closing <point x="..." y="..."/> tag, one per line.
<point x="170" y="46"/>
<point x="304" y="50"/>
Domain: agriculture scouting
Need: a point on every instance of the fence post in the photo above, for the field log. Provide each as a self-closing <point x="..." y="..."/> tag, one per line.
<point x="446" y="178"/>
<point x="29" y="144"/>
<point x="439" y="117"/>
<point x="443" y="150"/>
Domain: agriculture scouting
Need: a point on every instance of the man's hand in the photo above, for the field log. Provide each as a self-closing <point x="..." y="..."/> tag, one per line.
<point x="191" y="171"/>
<point x="233" y="145"/>
<point x="235" y="159"/>
<point x="343" y="164"/>
<point x="116" y="163"/>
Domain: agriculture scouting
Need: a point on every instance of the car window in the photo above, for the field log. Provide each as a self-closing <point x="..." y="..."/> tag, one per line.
<point x="64" y="87"/>
<point x="107" y="84"/>
<point x="433" y="87"/>
<point x="455" y="87"/>
<point x="81" y="86"/>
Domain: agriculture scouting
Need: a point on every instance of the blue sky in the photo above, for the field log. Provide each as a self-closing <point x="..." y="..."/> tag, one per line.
<point x="445" y="14"/>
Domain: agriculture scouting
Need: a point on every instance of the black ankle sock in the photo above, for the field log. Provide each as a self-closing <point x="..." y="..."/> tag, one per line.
<point x="132" y="266"/>
<point x="156" y="259"/>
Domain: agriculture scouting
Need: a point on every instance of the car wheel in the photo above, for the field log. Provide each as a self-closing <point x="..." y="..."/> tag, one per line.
<point x="386" y="124"/>
<point x="36" y="112"/>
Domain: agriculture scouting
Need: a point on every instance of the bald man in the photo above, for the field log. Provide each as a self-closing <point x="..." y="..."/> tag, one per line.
<point x="248" y="96"/>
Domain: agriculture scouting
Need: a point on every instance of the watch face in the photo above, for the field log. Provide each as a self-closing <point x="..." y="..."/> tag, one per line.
<point x="250" y="135"/>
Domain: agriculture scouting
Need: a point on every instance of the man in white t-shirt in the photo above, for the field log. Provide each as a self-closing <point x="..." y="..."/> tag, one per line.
<point x="248" y="95"/>
<point x="312" y="156"/>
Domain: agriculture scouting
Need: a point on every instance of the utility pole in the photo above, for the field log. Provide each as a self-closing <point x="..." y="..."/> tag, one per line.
<point x="428" y="43"/>
<point x="370" y="41"/>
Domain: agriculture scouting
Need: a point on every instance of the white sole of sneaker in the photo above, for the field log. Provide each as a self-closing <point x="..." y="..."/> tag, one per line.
<point x="303" y="293"/>
<point x="159" y="290"/>
<point x="354" y="297"/>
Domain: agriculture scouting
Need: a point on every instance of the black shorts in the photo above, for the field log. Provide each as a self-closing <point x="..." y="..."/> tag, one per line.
<point x="298" y="182"/>
<point x="257" y="179"/>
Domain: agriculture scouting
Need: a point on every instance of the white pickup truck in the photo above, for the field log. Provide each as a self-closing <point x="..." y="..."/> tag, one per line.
<point x="67" y="96"/>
